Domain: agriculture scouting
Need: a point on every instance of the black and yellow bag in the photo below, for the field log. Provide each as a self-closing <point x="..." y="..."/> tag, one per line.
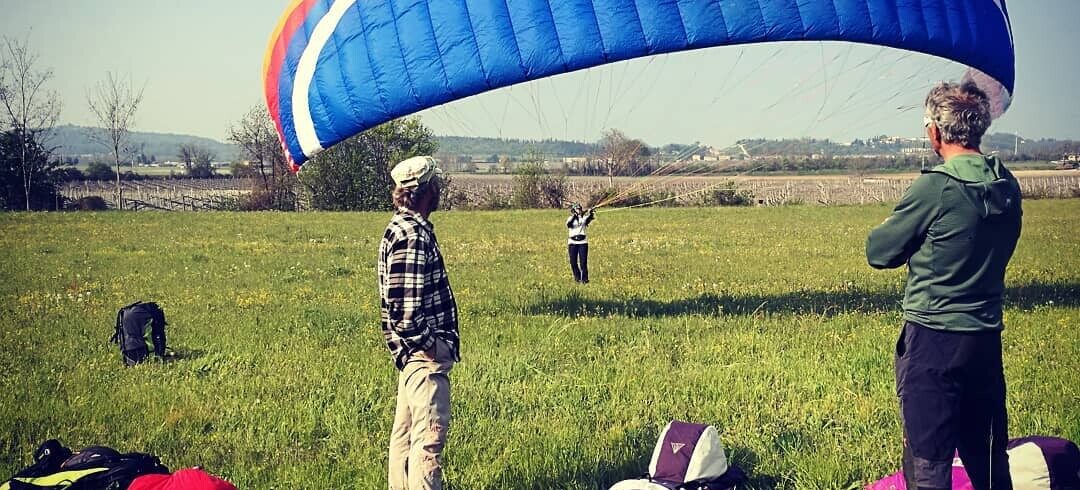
<point x="94" y="468"/>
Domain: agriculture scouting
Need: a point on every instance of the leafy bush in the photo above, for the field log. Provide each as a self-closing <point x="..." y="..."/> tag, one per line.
<point x="493" y="200"/>
<point x="68" y="174"/>
<point x="90" y="203"/>
<point x="658" y="198"/>
<point x="727" y="195"/>
<point x="645" y="198"/>
<point x="451" y="197"/>
<point x="600" y="196"/>
<point x="243" y="170"/>
<point x="100" y="171"/>
<point x="26" y="173"/>
<point x="201" y="170"/>
<point x="355" y="174"/>
<point x="534" y="188"/>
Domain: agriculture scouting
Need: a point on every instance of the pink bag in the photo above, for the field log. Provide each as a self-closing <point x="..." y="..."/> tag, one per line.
<point x="895" y="481"/>
<point x="1035" y="463"/>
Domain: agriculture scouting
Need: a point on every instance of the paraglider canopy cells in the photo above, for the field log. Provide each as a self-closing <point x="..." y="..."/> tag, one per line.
<point x="336" y="68"/>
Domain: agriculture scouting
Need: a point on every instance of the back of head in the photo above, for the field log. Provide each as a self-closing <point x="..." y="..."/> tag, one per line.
<point x="414" y="179"/>
<point x="961" y="112"/>
<point x="411" y="197"/>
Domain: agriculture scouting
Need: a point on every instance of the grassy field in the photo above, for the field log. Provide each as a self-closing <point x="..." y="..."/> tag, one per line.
<point x="763" y="321"/>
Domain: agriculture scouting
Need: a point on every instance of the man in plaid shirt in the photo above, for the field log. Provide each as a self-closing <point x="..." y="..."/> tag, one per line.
<point x="419" y="322"/>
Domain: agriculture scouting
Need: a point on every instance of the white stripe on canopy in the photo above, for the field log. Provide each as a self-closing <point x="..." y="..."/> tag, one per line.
<point x="305" y="73"/>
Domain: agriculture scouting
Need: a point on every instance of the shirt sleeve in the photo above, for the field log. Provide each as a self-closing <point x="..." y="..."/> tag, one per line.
<point x="894" y="241"/>
<point x="405" y="295"/>
<point x="589" y="218"/>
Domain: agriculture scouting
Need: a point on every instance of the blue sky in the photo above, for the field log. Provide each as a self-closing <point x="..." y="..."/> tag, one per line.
<point x="200" y="61"/>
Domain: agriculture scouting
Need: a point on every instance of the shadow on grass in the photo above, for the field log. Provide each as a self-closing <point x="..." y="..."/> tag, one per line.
<point x="824" y="303"/>
<point x="747" y="461"/>
<point x="611" y="472"/>
<point x="181" y="354"/>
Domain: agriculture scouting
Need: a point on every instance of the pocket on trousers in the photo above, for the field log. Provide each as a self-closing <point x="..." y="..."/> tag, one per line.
<point x="901" y="342"/>
<point x="443" y="352"/>
<point x="899" y="359"/>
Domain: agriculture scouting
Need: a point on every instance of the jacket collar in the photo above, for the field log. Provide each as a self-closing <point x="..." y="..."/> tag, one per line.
<point x="418" y="217"/>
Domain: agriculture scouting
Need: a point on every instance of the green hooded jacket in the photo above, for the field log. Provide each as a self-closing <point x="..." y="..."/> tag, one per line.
<point x="956" y="228"/>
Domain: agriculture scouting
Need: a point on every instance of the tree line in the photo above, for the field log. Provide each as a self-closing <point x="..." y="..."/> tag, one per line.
<point x="353" y="175"/>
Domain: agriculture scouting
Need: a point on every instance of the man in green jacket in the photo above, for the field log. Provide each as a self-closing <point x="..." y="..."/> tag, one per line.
<point x="956" y="229"/>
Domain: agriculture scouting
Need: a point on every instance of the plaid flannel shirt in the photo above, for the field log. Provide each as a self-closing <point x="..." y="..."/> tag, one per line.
<point x="417" y="303"/>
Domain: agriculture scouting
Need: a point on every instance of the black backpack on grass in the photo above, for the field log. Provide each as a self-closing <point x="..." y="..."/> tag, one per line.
<point x="94" y="468"/>
<point x="133" y="323"/>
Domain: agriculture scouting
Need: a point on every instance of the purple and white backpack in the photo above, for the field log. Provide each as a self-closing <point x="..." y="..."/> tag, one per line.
<point x="687" y="457"/>
<point x="1035" y="463"/>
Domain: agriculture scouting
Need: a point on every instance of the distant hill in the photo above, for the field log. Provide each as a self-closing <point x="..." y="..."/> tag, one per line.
<point x="1004" y="143"/>
<point x="514" y="148"/>
<point x="77" y="141"/>
<point x="1038" y="149"/>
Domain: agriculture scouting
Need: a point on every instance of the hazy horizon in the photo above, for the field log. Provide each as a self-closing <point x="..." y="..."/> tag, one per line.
<point x="200" y="78"/>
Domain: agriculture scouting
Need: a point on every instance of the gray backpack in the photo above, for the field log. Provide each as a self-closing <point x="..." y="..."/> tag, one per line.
<point x="133" y="323"/>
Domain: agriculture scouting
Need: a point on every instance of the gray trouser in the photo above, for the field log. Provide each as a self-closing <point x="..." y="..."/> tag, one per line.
<point x="421" y="421"/>
<point x="952" y="401"/>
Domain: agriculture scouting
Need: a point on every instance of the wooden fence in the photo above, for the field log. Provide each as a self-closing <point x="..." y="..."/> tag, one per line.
<point x="480" y="191"/>
<point x="164" y="195"/>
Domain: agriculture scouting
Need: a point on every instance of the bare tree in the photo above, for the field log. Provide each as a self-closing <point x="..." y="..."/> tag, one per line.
<point x="198" y="160"/>
<point x="619" y="153"/>
<point x="257" y="137"/>
<point x="203" y="167"/>
<point x="114" y="102"/>
<point x="186" y="154"/>
<point x="28" y="108"/>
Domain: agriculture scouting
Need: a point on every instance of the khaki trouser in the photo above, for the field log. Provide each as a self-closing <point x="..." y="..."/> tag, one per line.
<point x="421" y="421"/>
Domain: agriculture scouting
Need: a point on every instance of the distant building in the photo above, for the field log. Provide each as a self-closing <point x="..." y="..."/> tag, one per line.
<point x="1068" y="162"/>
<point x="487" y="167"/>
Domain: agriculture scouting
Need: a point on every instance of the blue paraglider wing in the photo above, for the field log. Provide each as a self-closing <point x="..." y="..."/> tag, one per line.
<point x="337" y="67"/>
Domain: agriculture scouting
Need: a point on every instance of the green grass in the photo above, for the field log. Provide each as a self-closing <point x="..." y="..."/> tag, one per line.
<point x="765" y="322"/>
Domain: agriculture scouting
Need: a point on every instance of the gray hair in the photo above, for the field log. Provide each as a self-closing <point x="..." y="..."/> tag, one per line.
<point x="407" y="197"/>
<point x="961" y="113"/>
